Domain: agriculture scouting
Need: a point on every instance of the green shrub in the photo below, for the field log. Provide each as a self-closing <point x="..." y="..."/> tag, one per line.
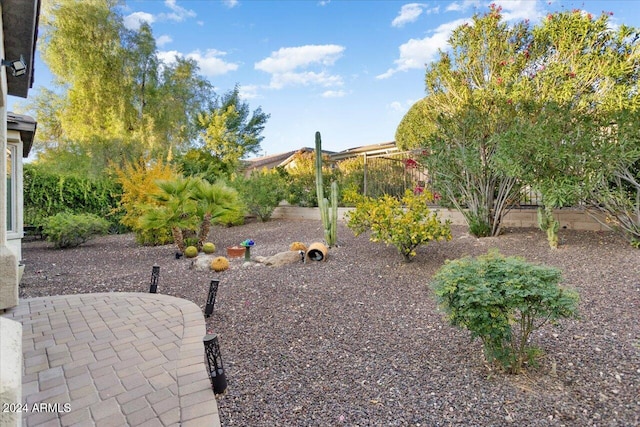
<point x="67" y="230"/>
<point x="139" y="187"/>
<point x="502" y="300"/>
<point x="47" y="193"/>
<point x="300" y="178"/>
<point x="261" y="192"/>
<point x="405" y="224"/>
<point x="188" y="207"/>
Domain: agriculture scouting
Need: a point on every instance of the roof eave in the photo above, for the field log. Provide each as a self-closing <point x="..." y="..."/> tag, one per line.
<point x="20" y="24"/>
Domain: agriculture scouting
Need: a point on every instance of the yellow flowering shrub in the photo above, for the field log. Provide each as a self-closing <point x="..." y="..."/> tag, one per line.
<point x="406" y="223"/>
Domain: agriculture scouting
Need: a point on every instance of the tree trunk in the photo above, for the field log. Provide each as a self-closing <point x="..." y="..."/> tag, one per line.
<point x="178" y="239"/>
<point x="205" y="227"/>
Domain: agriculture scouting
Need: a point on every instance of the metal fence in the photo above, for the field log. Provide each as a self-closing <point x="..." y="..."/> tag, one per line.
<point x="394" y="173"/>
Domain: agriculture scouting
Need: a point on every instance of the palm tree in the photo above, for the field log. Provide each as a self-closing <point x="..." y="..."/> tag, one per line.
<point x="177" y="210"/>
<point x="214" y="202"/>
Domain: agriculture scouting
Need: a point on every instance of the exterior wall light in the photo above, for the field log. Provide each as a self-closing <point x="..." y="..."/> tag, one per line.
<point x="18" y="67"/>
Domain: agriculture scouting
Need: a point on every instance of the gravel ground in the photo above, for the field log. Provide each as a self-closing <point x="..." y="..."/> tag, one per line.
<point x="358" y="341"/>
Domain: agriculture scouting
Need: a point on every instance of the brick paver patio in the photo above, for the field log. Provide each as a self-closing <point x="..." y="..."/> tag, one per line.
<point x="114" y="359"/>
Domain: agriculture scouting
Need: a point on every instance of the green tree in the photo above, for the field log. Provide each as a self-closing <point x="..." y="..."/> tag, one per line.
<point x="566" y="138"/>
<point x="197" y="162"/>
<point x="467" y="104"/>
<point x="82" y="48"/>
<point x="616" y="194"/>
<point x="114" y="102"/>
<point x="512" y="105"/>
<point x="48" y="106"/>
<point x="229" y="130"/>
<point x="181" y="97"/>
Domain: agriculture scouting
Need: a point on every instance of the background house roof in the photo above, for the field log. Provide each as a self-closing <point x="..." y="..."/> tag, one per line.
<point x="26" y="125"/>
<point x="280" y="159"/>
<point x="382" y="148"/>
<point x="20" y="24"/>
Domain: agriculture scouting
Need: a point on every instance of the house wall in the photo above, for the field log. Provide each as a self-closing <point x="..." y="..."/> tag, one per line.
<point x="10" y="330"/>
<point x="8" y="259"/>
<point x="14" y="237"/>
<point x="9" y="273"/>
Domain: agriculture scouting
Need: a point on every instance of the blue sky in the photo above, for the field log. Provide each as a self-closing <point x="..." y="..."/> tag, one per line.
<point x="349" y="69"/>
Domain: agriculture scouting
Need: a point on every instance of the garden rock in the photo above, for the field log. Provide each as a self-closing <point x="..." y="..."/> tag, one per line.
<point x="281" y="258"/>
<point x="202" y="262"/>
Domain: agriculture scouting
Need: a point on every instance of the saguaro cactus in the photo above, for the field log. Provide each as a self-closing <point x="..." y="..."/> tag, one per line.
<point x="329" y="220"/>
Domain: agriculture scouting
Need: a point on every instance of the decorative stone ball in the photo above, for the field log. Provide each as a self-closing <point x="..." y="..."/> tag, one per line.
<point x="298" y="246"/>
<point x="219" y="263"/>
<point x="208" y="248"/>
<point x="191" y="252"/>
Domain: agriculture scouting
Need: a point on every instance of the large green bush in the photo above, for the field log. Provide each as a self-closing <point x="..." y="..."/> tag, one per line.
<point x="67" y="230"/>
<point x="261" y="192"/>
<point x="405" y="224"/>
<point x="187" y="207"/>
<point x="502" y="300"/>
<point x="47" y="194"/>
<point x="300" y="177"/>
<point x="138" y="180"/>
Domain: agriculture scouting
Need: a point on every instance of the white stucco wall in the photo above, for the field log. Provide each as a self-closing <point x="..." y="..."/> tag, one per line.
<point x="10" y="370"/>
<point x="14" y="237"/>
<point x="9" y="273"/>
<point x="10" y="331"/>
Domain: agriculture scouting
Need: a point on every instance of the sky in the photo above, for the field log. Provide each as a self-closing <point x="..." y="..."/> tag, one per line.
<point x="349" y="69"/>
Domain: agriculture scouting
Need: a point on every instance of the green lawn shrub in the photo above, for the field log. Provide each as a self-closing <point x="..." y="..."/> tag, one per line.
<point x="139" y="187"/>
<point x="48" y="193"/>
<point x="406" y="223"/>
<point x="261" y="192"/>
<point x="66" y="230"/>
<point x="502" y="300"/>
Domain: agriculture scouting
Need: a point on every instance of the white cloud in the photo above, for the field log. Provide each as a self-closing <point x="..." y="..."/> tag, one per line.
<point x="249" y="92"/>
<point x="288" y="66"/>
<point x="306" y="78"/>
<point x="163" y="39"/>
<point x="230" y="3"/>
<point x="333" y="94"/>
<point x="178" y="13"/>
<point x="463" y="6"/>
<point x="518" y="10"/>
<point x="417" y="52"/>
<point x="210" y="63"/>
<point x="396" y="106"/>
<point x="134" y="20"/>
<point x="411" y="12"/>
<point x="512" y="10"/>
<point x="290" y="58"/>
<point x="401" y="107"/>
<point x="408" y="13"/>
<point x="168" y="56"/>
